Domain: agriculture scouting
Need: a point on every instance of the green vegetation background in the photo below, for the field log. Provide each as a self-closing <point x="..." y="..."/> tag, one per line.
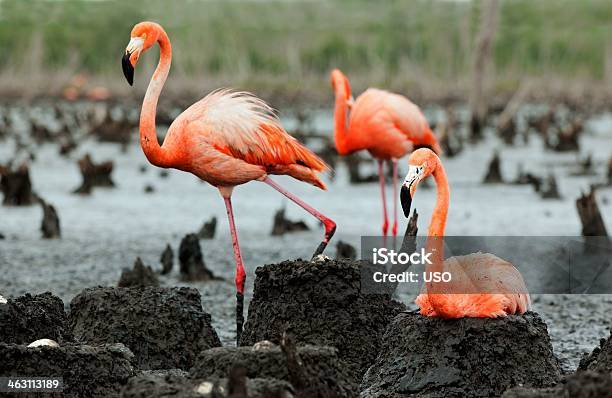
<point x="404" y="43"/>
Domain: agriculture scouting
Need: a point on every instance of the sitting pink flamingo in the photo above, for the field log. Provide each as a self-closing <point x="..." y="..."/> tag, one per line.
<point x="482" y="285"/>
<point x="387" y="125"/>
<point x="227" y="138"/>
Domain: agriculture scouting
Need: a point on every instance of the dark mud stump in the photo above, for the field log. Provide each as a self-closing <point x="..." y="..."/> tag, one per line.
<point x="610" y="171"/>
<point x="470" y="357"/>
<point x="446" y="130"/>
<point x="507" y="131"/>
<point x="567" y="139"/>
<point x="167" y="260"/>
<point x="192" y="265"/>
<point x="600" y="359"/>
<point x="87" y="371"/>
<point x="345" y="250"/>
<point x="526" y="178"/>
<point x="590" y="217"/>
<point x="408" y="246"/>
<point x="321" y="372"/>
<point x="28" y="318"/>
<point x="283" y="225"/>
<point x="320" y="303"/>
<point x="164" y="327"/>
<point x="16" y="186"/>
<point x="579" y="385"/>
<point x="208" y="229"/>
<point x="237" y="382"/>
<point x="353" y="163"/>
<point x="139" y="276"/>
<point x="494" y="175"/>
<point x="542" y="123"/>
<point x="50" y="225"/>
<point x="94" y="175"/>
<point x="550" y="189"/>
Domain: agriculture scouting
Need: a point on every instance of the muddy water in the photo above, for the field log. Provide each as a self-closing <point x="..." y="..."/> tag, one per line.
<point x="105" y="232"/>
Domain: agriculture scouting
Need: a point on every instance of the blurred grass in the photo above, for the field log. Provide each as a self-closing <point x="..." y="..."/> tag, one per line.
<point x="290" y="46"/>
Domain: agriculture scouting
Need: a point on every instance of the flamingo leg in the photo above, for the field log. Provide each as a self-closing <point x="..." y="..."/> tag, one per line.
<point x="381" y="178"/>
<point x="330" y="226"/>
<point x="394" y="228"/>
<point x="240" y="273"/>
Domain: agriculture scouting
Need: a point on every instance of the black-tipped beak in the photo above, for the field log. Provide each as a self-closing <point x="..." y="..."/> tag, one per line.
<point x="405" y="200"/>
<point x="128" y="69"/>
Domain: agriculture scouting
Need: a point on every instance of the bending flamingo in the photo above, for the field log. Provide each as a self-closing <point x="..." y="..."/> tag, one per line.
<point x="387" y="125"/>
<point x="483" y="285"/>
<point x="226" y="139"/>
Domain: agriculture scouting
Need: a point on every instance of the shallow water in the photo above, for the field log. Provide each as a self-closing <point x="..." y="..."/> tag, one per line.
<point x="105" y="232"/>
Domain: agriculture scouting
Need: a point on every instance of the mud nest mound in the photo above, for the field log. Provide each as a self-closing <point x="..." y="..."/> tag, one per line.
<point x="470" y="357"/>
<point x="164" y="327"/>
<point x="600" y="359"/>
<point x="579" y="385"/>
<point x="320" y="303"/>
<point x="152" y="386"/>
<point x="29" y="318"/>
<point x="322" y="373"/>
<point x="86" y="371"/>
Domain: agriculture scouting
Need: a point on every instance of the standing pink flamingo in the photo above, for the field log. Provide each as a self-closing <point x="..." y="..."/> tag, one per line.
<point x="387" y="125"/>
<point x="482" y="285"/>
<point x="226" y="139"/>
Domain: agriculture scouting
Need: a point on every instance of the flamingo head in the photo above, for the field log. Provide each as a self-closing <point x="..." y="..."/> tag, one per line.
<point x="143" y="36"/>
<point x="340" y="84"/>
<point x="421" y="164"/>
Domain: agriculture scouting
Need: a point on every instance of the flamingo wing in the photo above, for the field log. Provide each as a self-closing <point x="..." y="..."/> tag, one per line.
<point x="483" y="285"/>
<point x="401" y="120"/>
<point x="243" y="127"/>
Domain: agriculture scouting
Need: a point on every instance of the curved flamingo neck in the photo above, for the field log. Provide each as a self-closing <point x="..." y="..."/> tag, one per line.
<point x="340" y="122"/>
<point x="437" y="225"/>
<point x="148" y="134"/>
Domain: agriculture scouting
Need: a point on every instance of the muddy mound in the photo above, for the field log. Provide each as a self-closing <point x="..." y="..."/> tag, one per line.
<point x="320" y="303"/>
<point x="139" y="276"/>
<point x="469" y="357"/>
<point x="601" y="357"/>
<point x="579" y="385"/>
<point x="151" y="386"/>
<point x="164" y="327"/>
<point x="29" y="318"/>
<point x="86" y="371"/>
<point x="323" y="374"/>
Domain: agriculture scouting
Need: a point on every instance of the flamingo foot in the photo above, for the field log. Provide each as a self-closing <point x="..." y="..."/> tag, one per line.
<point x="330" y="229"/>
<point x="385" y="227"/>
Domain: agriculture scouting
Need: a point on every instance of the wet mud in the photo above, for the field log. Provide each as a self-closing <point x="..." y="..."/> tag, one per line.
<point x="153" y="386"/>
<point x="87" y="371"/>
<point x="470" y="357"/>
<point x="580" y="385"/>
<point x="600" y="359"/>
<point x="164" y="327"/>
<point x="27" y="318"/>
<point x="320" y="303"/>
<point x="323" y="374"/>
